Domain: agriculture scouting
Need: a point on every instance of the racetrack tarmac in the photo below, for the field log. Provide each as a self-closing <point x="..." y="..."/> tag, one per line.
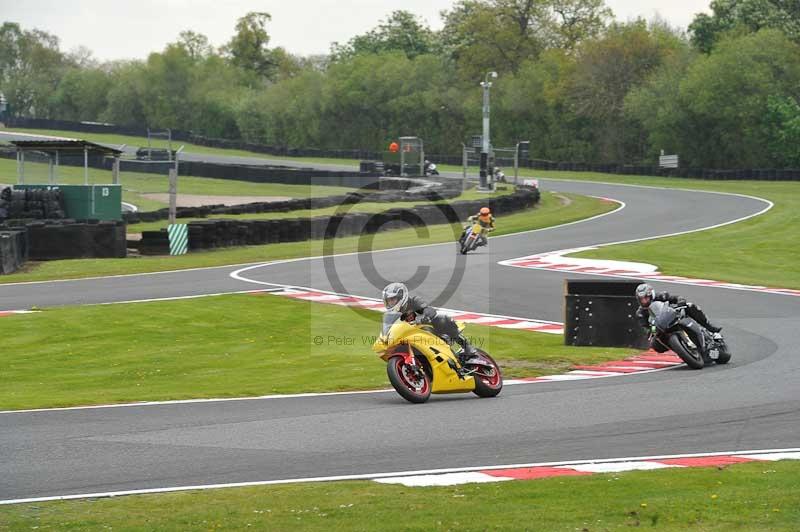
<point x="753" y="403"/>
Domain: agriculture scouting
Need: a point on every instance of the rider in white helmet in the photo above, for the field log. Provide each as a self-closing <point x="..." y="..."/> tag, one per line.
<point x="396" y="298"/>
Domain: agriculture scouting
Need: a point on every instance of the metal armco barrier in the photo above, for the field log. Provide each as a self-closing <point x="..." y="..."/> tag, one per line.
<point x="602" y="313"/>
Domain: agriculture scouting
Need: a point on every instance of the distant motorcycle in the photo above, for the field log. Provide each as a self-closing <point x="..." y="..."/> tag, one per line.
<point x="471" y="238"/>
<point x="430" y="169"/>
<point x="694" y="344"/>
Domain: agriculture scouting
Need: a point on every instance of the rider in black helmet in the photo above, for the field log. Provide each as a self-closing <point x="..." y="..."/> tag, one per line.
<point x="646" y="295"/>
<point x="396" y="298"/>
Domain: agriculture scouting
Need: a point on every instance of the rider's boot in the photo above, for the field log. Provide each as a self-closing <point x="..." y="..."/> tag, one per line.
<point x="701" y="318"/>
<point x="466" y="351"/>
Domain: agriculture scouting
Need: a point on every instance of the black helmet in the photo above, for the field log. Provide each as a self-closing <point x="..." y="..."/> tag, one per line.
<point x="395" y="296"/>
<point x="645" y="294"/>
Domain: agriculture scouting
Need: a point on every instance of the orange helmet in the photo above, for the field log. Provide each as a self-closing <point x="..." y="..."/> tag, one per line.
<point x="485" y="210"/>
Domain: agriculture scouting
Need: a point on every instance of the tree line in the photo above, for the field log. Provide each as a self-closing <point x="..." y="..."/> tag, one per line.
<point x="578" y="84"/>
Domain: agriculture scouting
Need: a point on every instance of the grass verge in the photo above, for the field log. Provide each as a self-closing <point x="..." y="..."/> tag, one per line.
<point x="552" y="210"/>
<point x="742" y="497"/>
<point x="760" y="251"/>
<point x="224" y="346"/>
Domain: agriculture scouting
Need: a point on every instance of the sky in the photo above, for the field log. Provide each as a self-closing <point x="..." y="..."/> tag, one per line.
<point x="123" y="29"/>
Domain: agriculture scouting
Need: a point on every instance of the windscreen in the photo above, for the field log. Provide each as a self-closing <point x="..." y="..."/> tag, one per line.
<point x="664" y="316"/>
<point x="389" y="319"/>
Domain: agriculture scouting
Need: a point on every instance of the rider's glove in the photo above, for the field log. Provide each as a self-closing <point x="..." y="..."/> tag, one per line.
<point x="422" y="319"/>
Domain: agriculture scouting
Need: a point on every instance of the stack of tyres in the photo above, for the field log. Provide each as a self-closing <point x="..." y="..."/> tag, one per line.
<point x="196" y="235"/>
<point x="154" y="243"/>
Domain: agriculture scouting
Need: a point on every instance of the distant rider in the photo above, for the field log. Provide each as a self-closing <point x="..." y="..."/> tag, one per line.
<point x="486" y="221"/>
<point x="646" y="295"/>
<point x="396" y="298"/>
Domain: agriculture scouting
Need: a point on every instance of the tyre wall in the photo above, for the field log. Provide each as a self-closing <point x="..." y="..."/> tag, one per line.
<point x="69" y="239"/>
<point x="447" y="190"/>
<point x="211" y="234"/>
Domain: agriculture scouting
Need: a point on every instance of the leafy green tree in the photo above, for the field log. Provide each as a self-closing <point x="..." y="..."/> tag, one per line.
<point x="733" y="108"/>
<point x="534" y="105"/>
<point x="248" y="48"/>
<point x="745" y="15"/>
<point x="657" y="108"/>
<point x="783" y="129"/>
<point x="31" y="66"/>
<point x="82" y="94"/>
<point x="572" y="21"/>
<point x="402" y="32"/>
<point x="195" y="44"/>
<point x="607" y="69"/>
<point x="727" y="95"/>
<point x="126" y="95"/>
<point x="492" y="35"/>
<point x="483" y="35"/>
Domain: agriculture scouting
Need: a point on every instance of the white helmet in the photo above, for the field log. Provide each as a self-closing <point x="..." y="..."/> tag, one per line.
<point x="395" y="296"/>
<point x="645" y="294"/>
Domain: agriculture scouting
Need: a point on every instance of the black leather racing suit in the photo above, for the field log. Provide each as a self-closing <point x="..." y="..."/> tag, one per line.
<point x="692" y="310"/>
<point x="442" y="325"/>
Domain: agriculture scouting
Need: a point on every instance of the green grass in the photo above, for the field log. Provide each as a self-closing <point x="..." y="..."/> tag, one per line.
<point x="743" y="497"/>
<point x="551" y="211"/>
<point x="224" y="346"/>
<point x="761" y="251"/>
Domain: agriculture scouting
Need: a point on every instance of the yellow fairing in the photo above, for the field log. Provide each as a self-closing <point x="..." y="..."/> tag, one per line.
<point x="477" y="228"/>
<point x="434" y="349"/>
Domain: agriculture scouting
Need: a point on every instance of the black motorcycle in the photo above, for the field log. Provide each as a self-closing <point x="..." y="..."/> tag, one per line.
<point x="695" y="344"/>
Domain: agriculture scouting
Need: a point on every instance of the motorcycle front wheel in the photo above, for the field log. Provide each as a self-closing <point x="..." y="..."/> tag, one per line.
<point x="412" y="383"/>
<point x="690" y="355"/>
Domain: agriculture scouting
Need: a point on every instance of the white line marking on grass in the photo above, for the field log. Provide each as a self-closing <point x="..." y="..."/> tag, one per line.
<point x="375" y="476"/>
<point x="238" y="273"/>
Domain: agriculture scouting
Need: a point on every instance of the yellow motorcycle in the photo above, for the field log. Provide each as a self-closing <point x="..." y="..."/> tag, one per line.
<point x="420" y="363"/>
<point x="471" y="237"/>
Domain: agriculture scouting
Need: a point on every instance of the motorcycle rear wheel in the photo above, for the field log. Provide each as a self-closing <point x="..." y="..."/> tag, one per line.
<point x="724" y="353"/>
<point x="490" y="384"/>
<point x="690" y="355"/>
<point x="410" y="386"/>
